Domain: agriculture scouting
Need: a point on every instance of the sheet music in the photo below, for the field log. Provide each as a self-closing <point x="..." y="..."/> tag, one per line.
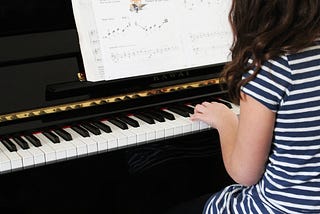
<point x="126" y="38"/>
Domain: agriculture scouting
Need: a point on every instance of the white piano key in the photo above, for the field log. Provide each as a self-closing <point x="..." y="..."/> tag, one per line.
<point x="139" y="131"/>
<point x="70" y="149"/>
<point x="101" y="142"/>
<point x="185" y="122"/>
<point x="15" y="159"/>
<point x="81" y="147"/>
<point x="178" y="127"/>
<point x="204" y="125"/>
<point x="132" y="138"/>
<point x="92" y="146"/>
<point x="111" y="141"/>
<point x="124" y="137"/>
<point x="50" y="154"/>
<point x="196" y="123"/>
<point x="60" y="151"/>
<point x="200" y="124"/>
<point x="235" y="108"/>
<point x="38" y="155"/>
<point x="162" y="129"/>
<point x="147" y="128"/>
<point x="5" y="163"/>
<point x="26" y="156"/>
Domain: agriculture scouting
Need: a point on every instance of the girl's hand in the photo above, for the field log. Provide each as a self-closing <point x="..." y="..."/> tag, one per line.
<point x="213" y="113"/>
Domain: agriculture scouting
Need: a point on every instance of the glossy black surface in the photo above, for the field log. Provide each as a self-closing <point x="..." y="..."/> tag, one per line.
<point x="32" y="16"/>
<point x="39" y="62"/>
<point x="142" y="180"/>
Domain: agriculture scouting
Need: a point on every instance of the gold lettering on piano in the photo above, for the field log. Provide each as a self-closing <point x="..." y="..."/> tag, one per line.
<point x="105" y="100"/>
<point x="171" y="76"/>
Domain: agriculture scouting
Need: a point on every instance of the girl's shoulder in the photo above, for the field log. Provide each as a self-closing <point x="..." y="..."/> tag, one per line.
<point x="313" y="50"/>
<point x="307" y="57"/>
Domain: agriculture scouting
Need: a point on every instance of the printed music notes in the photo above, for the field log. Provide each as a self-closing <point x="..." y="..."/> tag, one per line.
<point x="133" y="27"/>
<point x="126" y="38"/>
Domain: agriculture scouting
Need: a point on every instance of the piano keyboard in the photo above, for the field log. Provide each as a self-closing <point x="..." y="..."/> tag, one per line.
<point x="97" y="136"/>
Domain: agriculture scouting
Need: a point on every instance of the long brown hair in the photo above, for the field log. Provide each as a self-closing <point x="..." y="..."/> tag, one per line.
<point x="265" y="29"/>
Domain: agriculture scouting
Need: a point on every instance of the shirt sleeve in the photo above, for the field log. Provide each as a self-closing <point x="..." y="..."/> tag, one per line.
<point x="271" y="85"/>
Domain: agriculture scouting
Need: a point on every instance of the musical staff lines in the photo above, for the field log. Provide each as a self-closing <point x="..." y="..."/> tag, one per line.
<point x="161" y="35"/>
<point x="193" y="4"/>
<point x="204" y="43"/>
<point x="118" y="30"/>
<point x="134" y="28"/>
<point x="142" y="54"/>
<point x="153" y="26"/>
<point x="207" y="36"/>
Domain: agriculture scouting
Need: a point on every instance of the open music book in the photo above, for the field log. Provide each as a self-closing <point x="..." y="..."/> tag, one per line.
<point x="127" y="38"/>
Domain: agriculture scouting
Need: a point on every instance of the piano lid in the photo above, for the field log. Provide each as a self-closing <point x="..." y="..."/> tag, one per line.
<point x="41" y="65"/>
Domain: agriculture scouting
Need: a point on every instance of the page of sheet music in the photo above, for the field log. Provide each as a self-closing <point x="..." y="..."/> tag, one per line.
<point x="126" y="38"/>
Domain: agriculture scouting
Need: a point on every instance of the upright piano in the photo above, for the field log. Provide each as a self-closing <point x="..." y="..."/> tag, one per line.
<point x="68" y="145"/>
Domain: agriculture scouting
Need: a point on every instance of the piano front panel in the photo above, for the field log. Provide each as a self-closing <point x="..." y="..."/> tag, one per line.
<point x="109" y="163"/>
<point x="137" y="180"/>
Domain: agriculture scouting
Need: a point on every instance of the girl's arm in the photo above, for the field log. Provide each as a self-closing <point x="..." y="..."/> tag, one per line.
<point x="245" y="142"/>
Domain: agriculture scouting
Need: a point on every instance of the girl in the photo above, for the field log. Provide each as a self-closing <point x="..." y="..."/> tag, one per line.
<point x="273" y="150"/>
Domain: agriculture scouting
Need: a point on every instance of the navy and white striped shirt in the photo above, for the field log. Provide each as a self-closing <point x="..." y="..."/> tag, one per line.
<point x="290" y="87"/>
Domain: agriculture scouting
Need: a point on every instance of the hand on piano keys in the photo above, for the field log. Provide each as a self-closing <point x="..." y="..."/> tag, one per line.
<point x="97" y="136"/>
<point x="217" y="113"/>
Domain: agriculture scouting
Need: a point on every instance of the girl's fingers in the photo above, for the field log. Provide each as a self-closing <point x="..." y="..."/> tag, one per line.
<point x="206" y="103"/>
<point x="199" y="108"/>
<point x="196" y="116"/>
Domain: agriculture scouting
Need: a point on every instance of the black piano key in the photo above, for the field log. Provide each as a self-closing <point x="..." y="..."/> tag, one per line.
<point x="21" y="142"/>
<point x="213" y="99"/>
<point x="9" y="145"/>
<point x="186" y="108"/>
<point x="33" y="140"/>
<point x="179" y="111"/>
<point x="63" y="134"/>
<point x="94" y="130"/>
<point x="167" y="115"/>
<point x="51" y="136"/>
<point x="129" y="121"/>
<point x="223" y="102"/>
<point x="155" y="115"/>
<point x="145" y="118"/>
<point x="118" y="123"/>
<point x="81" y="131"/>
<point x="102" y="126"/>
<point x="183" y="109"/>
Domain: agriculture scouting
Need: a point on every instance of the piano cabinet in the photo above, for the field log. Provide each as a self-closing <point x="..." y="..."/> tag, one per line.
<point x="40" y="87"/>
<point x="140" y="180"/>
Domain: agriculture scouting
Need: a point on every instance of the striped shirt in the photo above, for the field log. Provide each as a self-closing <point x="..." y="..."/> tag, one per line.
<point x="290" y="87"/>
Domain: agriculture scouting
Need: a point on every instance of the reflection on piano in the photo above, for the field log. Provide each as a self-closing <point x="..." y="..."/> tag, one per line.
<point x="69" y="145"/>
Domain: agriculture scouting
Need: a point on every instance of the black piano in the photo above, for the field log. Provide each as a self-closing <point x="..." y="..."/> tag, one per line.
<point x="68" y="145"/>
